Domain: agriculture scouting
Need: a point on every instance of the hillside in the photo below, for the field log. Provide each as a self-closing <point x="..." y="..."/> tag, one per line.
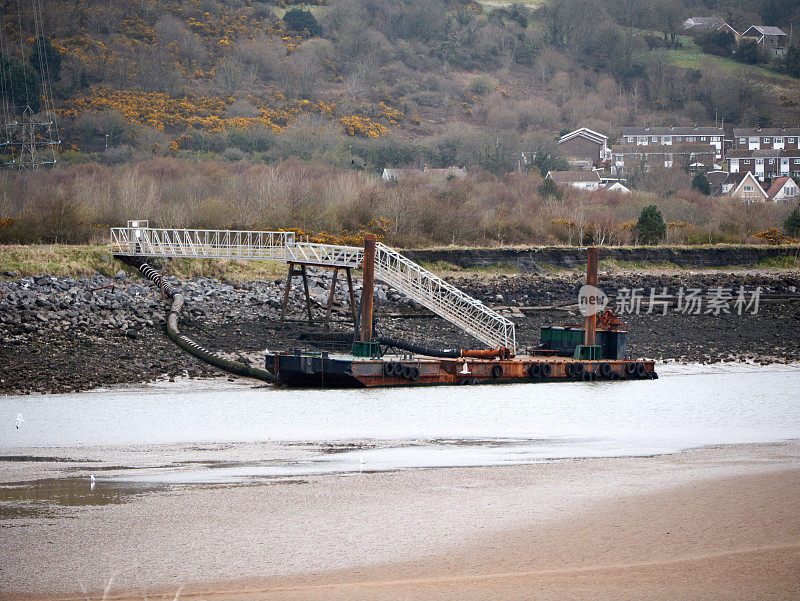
<point x="375" y="83"/>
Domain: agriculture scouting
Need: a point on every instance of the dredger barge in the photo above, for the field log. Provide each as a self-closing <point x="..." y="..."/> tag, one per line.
<point x="594" y="350"/>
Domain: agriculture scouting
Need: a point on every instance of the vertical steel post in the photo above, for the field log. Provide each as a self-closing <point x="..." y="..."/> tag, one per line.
<point x="367" y="288"/>
<point x="591" y="280"/>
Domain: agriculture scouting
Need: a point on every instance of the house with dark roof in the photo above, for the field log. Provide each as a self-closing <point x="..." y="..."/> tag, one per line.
<point x="633" y="157"/>
<point x="772" y="38"/>
<point x="694" y="25"/>
<point x="765" y="163"/>
<point x="670" y="136"/>
<point x="716" y="179"/>
<point x="582" y="180"/>
<point x="757" y="138"/>
<point x="783" y="189"/>
<point x="584" y="148"/>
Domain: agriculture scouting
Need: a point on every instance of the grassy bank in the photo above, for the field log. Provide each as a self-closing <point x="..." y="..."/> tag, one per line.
<point x="87" y="260"/>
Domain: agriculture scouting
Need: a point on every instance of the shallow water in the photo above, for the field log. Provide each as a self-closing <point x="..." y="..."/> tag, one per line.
<point x="302" y="433"/>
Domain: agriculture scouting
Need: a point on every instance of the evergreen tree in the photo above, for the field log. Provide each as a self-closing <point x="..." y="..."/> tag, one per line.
<point x="792" y="224"/>
<point x="549" y="189"/>
<point x="21" y="85"/>
<point x="298" y="20"/>
<point x="45" y="55"/>
<point x="651" y="227"/>
<point x="701" y="184"/>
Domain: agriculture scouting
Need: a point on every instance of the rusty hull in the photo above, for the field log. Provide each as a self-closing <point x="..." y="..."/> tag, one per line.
<point x="338" y="372"/>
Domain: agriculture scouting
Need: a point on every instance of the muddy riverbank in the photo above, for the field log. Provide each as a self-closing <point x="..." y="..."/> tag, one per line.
<point x="61" y="334"/>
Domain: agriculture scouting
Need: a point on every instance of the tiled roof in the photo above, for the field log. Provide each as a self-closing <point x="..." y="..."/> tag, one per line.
<point x="566" y="177"/>
<point x="716" y="178"/>
<point x="769" y="132"/>
<point x="663" y="149"/>
<point x="777" y="184"/>
<point x="672" y="131"/>
<point x="765" y="153"/>
<point x="766" y="30"/>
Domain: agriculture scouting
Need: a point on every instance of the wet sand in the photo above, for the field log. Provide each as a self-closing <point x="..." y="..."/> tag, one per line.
<point x="715" y="523"/>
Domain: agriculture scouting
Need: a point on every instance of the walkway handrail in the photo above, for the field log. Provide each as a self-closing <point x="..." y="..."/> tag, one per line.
<point x="391" y="267"/>
<point x="444" y="299"/>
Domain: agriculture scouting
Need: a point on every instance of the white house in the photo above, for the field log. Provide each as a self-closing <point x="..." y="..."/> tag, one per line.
<point x="782" y="189"/>
<point x="392" y="173"/>
<point x="615" y="187"/>
<point x="582" y="180"/>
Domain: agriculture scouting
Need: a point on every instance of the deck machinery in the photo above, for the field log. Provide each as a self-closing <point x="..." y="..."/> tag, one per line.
<point x="567" y="351"/>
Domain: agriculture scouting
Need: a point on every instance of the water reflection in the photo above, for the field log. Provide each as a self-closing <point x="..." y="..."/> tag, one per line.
<point x="43" y="497"/>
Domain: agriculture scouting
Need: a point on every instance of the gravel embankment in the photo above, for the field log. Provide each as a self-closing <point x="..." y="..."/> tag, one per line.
<point x="67" y="334"/>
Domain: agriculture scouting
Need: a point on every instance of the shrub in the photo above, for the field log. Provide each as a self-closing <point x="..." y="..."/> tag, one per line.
<point x="651" y="227"/>
<point x="722" y="43"/>
<point x="480" y="85"/>
<point x="299" y="20"/>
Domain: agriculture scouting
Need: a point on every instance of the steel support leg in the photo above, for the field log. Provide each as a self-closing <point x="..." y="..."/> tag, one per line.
<point x="330" y="297"/>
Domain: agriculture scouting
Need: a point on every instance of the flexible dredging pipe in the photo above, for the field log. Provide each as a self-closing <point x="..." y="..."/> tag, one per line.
<point x="189" y="345"/>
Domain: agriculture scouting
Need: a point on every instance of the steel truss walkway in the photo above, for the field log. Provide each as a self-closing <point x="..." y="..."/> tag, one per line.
<point x="391" y="267"/>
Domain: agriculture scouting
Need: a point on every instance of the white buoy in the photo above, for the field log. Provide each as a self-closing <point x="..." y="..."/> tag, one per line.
<point x="92" y="479"/>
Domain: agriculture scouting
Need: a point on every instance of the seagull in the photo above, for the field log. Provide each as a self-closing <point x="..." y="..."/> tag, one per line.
<point x="19" y="420"/>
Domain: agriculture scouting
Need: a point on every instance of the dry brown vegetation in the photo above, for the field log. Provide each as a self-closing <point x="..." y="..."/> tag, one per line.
<point x="77" y="205"/>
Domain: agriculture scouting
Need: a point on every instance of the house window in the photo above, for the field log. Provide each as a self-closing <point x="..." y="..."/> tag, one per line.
<point x="746" y="161"/>
<point x="772" y="161"/>
<point x="797" y="161"/>
<point x="766" y="140"/>
<point x="790" y="140"/>
<point x="654" y="139"/>
<point x="630" y="139"/>
<point x="742" y="140"/>
<point x="678" y="139"/>
<point x="779" y="140"/>
<point x="748" y="188"/>
<point x="690" y="138"/>
<point x="702" y="138"/>
<point x="715" y="138"/>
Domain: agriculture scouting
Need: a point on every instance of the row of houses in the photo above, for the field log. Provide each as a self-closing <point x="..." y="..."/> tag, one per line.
<point x="770" y="37"/>
<point x="767" y="153"/>
<point x="755" y="165"/>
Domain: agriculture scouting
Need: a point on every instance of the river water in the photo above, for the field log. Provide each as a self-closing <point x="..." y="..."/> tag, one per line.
<point x="216" y="432"/>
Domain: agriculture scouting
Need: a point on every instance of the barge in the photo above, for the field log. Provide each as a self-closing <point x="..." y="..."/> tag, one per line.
<point x="577" y="352"/>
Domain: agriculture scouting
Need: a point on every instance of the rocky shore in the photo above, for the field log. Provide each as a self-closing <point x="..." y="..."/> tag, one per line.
<point x="61" y="334"/>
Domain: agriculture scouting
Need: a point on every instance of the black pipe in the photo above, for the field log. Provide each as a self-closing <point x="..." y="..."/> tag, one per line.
<point x="189" y="345"/>
<point x="420" y="350"/>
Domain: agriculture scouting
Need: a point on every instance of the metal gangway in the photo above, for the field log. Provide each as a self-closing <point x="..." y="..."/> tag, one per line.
<point x="391" y="267"/>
